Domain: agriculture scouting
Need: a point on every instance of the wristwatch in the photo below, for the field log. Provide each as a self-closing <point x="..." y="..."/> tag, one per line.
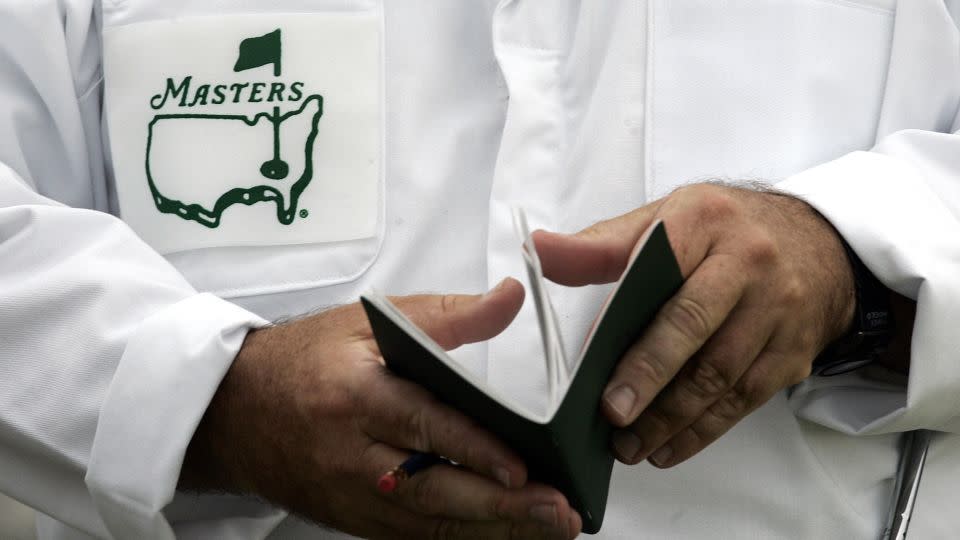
<point x="872" y="327"/>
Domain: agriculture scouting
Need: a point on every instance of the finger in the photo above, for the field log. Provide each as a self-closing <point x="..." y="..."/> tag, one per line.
<point x="680" y="328"/>
<point x="454" y="492"/>
<point x="695" y="216"/>
<point x="708" y="376"/>
<point x="524" y="530"/>
<point x="415" y="527"/>
<point x="597" y="254"/>
<point x="761" y="382"/>
<point x="405" y="415"/>
<point x="453" y="320"/>
<point x="447" y="504"/>
<point x="394" y="522"/>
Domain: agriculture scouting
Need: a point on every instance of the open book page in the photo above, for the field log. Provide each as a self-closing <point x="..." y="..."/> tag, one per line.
<point x="566" y="373"/>
<point x="559" y="371"/>
<point x="559" y="375"/>
<point x="555" y="358"/>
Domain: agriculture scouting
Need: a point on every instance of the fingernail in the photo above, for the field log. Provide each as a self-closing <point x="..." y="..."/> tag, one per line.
<point x="662" y="456"/>
<point x="544" y="513"/>
<point x="503" y="476"/>
<point x="627" y="444"/>
<point x="621" y="400"/>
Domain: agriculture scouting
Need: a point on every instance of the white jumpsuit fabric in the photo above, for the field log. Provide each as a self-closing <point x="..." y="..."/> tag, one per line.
<point x="120" y="311"/>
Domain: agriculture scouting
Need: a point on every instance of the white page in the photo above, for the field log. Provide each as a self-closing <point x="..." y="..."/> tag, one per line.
<point x="555" y="357"/>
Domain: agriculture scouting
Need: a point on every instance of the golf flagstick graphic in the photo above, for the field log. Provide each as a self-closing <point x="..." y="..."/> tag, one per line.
<point x="257" y="52"/>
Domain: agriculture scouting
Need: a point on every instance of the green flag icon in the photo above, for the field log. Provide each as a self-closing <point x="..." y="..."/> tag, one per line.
<point x="260" y="51"/>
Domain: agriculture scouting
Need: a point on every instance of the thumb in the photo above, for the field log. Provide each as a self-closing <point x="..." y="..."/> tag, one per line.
<point x="453" y="320"/>
<point x="597" y="254"/>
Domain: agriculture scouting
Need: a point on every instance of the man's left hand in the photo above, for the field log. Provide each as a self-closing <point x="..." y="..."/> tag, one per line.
<point x="768" y="286"/>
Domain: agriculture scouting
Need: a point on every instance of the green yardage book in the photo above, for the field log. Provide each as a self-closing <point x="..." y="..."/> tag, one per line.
<point x="569" y="447"/>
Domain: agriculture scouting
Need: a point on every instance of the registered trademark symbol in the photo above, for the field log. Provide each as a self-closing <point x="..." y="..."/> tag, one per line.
<point x="304" y="214"/>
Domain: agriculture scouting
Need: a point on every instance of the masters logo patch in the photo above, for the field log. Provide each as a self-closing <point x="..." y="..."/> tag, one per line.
<point x="255" y="52"/>
<point x="246" y="130"/>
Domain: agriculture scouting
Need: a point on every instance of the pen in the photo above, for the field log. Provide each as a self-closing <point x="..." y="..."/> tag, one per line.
<point x="913" y="457"/>
<point x="414" y="464"/>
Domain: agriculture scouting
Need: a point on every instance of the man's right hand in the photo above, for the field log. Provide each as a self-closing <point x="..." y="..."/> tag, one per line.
<point x="309" y="418"/>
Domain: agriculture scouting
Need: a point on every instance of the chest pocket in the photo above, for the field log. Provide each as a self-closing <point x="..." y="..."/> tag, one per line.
<point x="246" y="138"/>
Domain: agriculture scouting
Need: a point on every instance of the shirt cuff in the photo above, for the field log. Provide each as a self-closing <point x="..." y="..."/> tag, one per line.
<point x="906" y="235"/>
<point x="169" y="372"/>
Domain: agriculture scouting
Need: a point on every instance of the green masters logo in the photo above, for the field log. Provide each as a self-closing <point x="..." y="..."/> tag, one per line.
<point x="255" y="52"/>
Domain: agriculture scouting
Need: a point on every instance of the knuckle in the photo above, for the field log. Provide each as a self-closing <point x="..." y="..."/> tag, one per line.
<point x="448" y="303"/>
<point x="792" y="292"/>
<point x="714" y="203"/>
<point x="681" y="406"/>
<point x="756" y="385"/>
<point x="335" y="404"/>
<point x="760" y="250"/>
<point x="689" y="191"/>
<point x="656" y="421"/>
<point x="416" y="430"/>
<point x="459" y="436"/>
<point x="733" y="405"/>
<point x="701" y="434"/>
<point x="690" y="318"/>
<point x="646" y="365"/>
<point x="708" y="381"/>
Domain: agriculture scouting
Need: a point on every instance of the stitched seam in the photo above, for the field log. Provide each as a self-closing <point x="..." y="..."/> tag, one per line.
<point x="886" y="79"/>
<point x="649" y="167"/>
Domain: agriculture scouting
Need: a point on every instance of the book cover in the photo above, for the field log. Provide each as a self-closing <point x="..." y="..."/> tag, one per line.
<point x="569" y="446"/>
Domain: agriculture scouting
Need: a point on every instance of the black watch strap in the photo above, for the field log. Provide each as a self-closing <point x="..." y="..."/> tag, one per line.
<point x="872" y="327"/>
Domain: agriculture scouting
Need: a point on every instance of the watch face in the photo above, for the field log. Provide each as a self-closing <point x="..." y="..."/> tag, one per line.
<point x="876" y="321"/>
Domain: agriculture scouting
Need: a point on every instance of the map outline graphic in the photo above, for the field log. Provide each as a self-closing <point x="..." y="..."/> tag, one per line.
<point x="211" y="217"/>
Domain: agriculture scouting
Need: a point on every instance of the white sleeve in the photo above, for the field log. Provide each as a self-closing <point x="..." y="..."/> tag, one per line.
<point x="898" y="206"/>
<point x="108" y="357"/>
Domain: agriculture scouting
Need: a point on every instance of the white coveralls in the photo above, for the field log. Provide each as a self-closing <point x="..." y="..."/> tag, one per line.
<point x="174" y="173"/>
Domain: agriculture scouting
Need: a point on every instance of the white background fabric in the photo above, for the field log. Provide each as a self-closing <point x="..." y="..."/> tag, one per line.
<point x="576" y="111"/>
<point x="16" y="520"/>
